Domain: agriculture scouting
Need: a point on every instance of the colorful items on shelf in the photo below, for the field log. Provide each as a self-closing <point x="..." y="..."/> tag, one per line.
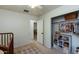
<point x="66" y="27"/>
<point x="69" y="27"/>
<point x="63" y="41"/>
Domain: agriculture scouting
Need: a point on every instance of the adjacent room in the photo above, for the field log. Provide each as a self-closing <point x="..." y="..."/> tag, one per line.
<point x="39" y="29"/>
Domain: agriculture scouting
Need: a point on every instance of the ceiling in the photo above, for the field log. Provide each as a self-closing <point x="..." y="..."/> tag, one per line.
<point x="37" y="11"/>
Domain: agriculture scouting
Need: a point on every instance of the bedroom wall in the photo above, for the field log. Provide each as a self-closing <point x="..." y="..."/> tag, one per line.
<point x="18" y="23"/>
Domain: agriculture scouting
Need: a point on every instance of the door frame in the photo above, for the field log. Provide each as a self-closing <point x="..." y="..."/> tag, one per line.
<point x="43" y="33"/>
<point x="51" y="32"/>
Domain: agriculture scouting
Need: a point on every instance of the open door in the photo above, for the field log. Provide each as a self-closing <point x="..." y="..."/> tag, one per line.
<point x="40" y="31"/>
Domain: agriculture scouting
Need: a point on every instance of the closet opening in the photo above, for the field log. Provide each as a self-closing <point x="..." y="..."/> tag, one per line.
<point x="63" y="29"/>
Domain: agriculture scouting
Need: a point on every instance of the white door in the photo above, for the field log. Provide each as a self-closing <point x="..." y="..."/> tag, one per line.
<point x="40" y="32"/>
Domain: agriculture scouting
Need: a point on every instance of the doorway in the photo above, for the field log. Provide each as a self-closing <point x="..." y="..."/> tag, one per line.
<point x="35" y="31"/>
<point x="40" y="31"/>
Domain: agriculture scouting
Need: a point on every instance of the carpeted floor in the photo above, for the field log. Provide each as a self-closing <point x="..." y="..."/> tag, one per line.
<point x="28" y="49"/>
<point x="36" y="48"/>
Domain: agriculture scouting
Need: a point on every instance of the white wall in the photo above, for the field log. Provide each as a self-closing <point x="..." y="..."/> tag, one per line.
<point x="47" y="20"/>
<point x="18" y="23"/>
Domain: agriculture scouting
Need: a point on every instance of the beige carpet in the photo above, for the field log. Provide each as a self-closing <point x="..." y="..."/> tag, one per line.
<point x="36" y="48"/>
<point x="28" y="49"/>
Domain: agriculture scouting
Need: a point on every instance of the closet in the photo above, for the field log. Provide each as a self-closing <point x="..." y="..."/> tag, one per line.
<point x="62" y="29"/>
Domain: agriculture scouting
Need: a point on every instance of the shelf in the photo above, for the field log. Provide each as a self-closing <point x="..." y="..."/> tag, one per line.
<point x="66" y="41"/>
